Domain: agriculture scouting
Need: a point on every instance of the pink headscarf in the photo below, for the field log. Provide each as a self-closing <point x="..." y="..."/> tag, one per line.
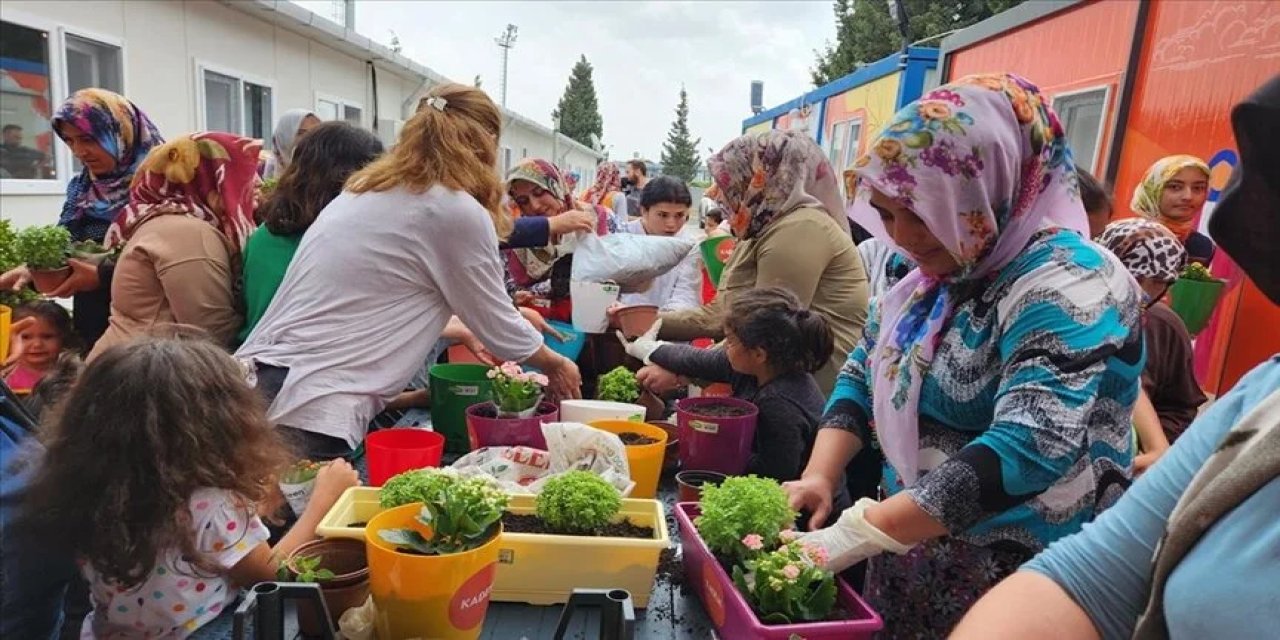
<point x="984" y="163"/>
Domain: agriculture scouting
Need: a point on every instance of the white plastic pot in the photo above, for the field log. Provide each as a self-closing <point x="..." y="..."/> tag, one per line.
<point x="591" y="302"/>
<point x="585" y="411"/>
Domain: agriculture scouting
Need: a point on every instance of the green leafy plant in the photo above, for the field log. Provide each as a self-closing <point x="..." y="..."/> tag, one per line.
<point x="308" y="570"/>
<point x="417" y="485"/>
<point x="789" y="584"/>
<point x="515" y="390"/>
<point x="9" y="259"/>
<point x="578" y="502"/>
<point x="44" y="248"/>
<point x="619" y="385"/>
<point x="463" y="514"/>
<point x="739" y="507"/>
<point x="1198" y="272"/>
<point x="301" y="471"/>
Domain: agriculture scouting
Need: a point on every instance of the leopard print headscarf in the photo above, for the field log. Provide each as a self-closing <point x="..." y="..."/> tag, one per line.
<point x="1147" y="248"/>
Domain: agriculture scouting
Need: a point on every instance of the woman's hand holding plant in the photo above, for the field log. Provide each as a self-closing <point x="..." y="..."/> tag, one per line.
<point x="84" y="277"/>
<point x="16" y="278"/>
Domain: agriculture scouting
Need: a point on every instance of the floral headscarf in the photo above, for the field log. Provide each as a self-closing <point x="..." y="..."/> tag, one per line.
<point x="1147" y="248"/>
<point x="762" y="177"/>
<point x="528" y="266"/>
<point x="1146" y="196"/>
<point x="211" y="176"/>
<point x="123" y="131"/>
<point x="608" y="180"/>
<point x="984" y="163"/>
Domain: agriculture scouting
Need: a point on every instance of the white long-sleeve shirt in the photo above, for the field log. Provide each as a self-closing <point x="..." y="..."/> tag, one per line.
<point x="679" y="288"/>
<point x="368" y="294"/>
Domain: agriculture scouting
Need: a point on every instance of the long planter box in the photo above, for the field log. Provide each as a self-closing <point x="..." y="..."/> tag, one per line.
<point x="543" y="569"/>
<point x="732" y="615"/>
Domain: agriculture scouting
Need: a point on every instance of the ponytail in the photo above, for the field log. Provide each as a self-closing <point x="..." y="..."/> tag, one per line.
<point x="816" y="340"/>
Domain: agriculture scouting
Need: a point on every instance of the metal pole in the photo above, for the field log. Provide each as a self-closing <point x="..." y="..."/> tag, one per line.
<point x="507" y="41"/>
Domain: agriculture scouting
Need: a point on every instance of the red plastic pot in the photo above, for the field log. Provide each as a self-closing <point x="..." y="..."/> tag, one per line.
<point x="393" y="451"/>
<point x="509" y="432"/>
<point x="715" y="443"/>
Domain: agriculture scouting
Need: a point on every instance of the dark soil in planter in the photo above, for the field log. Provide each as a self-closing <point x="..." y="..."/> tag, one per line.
<point x="490" y="410"/>
<point x="712" y="410"/>
<point x="357" y="525"/>
<point x="528" y="523"/>
<point x="631" y="437"/>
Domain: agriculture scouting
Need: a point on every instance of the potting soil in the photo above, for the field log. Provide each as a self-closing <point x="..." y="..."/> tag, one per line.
<point x="632" y="438"/>
<point x="719" y="411"/>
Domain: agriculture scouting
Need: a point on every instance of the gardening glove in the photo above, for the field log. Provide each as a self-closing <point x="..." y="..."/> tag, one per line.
<point x="643" y="347"/>
<point x="852" y="539"/>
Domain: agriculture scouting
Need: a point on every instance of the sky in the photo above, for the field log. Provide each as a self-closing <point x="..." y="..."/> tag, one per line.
<point x="642" y="52"/>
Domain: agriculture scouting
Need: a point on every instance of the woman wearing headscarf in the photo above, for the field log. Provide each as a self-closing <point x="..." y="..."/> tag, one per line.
<point x="1190" y="550"/>
<point x="110" y="136"/>
<point x="190" y="212"/>
<point x="784" y="207"/>
<point x="606" y="191"/>
<point x="1172" y="193"/>
<point x="284" y="139"/>
<point x="997" y="377"/>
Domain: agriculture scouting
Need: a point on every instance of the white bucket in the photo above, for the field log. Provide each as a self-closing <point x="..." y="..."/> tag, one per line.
<point x="591" y="302"/>
<point x="584" y="411"/>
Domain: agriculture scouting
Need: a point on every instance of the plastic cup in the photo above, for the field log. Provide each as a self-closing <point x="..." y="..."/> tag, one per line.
<point x="591" y="302"/>
<point x="394" y="451"/>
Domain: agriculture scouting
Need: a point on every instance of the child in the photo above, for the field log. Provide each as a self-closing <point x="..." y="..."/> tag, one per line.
<point x="664" y="210"/>
<point x="157" y="465"/>
<point x="41" y="342"/>
<point x="772" y="346"/>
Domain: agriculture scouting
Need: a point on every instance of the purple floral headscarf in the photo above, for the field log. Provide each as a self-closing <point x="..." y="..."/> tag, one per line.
<point x="983" y="161"/>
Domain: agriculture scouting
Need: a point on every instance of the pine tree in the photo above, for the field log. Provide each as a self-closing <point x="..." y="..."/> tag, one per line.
<point x="680" y="151"/>
<point x="578" y="111"/>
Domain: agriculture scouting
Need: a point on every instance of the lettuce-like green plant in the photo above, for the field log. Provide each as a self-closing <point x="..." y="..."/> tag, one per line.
<point x="739" y="507"/>
<point x="578" y="502"/>
<point x="463" y="514"/>
<point x="44" y="247"/>
<point x="417" y="485"/>
<point x="619" y="385"/>
<point x="1198" y="272"/>
<point x="789" y="584"/>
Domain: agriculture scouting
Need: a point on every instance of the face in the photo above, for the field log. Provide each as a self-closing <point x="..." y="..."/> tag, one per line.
<point x="87" y="150"/>
<point x="13" y="137"/>
<point x="633" y="175"/>
<point x="1098" y="221"/>
<point x="910" y="233"/>
<point x="1184" y="194"/>
<point x="1152" y="289"/>
<point x="308" y="123"/>
<point x="664" y="219"/>
<point x="40" y="344"/>
<point x="534" y="200"/>
<point x="743" y="359"/>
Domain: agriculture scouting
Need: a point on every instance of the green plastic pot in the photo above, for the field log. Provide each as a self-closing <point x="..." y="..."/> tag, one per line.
<point x="1195" y="300"/>
<point x="454" y="387"/>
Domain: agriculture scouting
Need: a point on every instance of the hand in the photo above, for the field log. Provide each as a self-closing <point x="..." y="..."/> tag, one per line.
<point x="16" y="278"/>
<point x="334" y="478"/>
<point x="643" y="347"/>
<point x="571" y="221"/>
<point x="1145" y="461"/>
<point x="540" y="323"/>
<point x="15" y="344"/>
<point x="523" y="298"/>
<point x="84" y="277"/>
<point x="657" y="380"/>
<point x="811" y="493"/>
<point x="566" y="380"/>
<point x="477" y="348"/>
<point x="852" y="539"/>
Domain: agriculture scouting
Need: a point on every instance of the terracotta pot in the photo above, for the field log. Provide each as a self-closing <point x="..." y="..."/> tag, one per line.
<point x="690" y="483"/>
<point x="671" y="457"/>
<point x="348" y="588"/>
<point x="655" y="408"/>
<point x="46" y="280"/>
<point x="636" y="319"/>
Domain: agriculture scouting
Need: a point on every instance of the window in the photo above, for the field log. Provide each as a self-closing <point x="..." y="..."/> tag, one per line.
<point x="221" y="102"/>
<point x="351" y="114"/>
<point x="844" y="143"/>
<point x="26" y="96"/>
<point x="236" y="105"/>
<point x="1081" y="114"/>
<point x="332" y="108"/>
<point x="257" y="111"/>
<point x="506" y="160"/>
<point x="92" y="64"/>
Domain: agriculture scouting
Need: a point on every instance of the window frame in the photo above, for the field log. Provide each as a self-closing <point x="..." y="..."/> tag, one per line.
<point x="57" y="94"/>
<point x="1104" y="122"/>
<point x="342" y="103"/>
<point x="240" y="77"/>
<point x="850" y="149"/>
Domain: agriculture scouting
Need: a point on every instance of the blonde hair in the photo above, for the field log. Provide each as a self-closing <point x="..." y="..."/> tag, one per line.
<point x="455" y="146"/>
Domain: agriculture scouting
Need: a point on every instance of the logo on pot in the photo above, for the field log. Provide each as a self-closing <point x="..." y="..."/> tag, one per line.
<point x="704" y="427"/>
<point x="506" y="556"/>
<point x="714" y="592"/>
<point x="466" y="390"/>
<point x="466" y="609"/>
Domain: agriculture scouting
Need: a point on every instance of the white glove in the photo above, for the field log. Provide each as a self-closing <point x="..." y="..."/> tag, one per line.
<point x="852" y="539"/>
<point x="644" y="346"/>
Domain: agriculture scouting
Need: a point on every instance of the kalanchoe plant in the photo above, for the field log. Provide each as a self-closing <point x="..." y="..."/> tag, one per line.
<point x="619" y="385"/>
<point x="578" y="502"/>
<point x="44" y="248"/>
<point x="463" y="515"/>
<point x="417" y="485"/>
<point x="742" y="506"/>
<point x="787" y="585"/>
<point x="309" y="570"/>
<point x="516" y="392"/>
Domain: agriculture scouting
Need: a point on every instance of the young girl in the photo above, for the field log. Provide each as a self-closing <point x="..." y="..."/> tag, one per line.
<point x="42" y="340"/>
<point x="771" y="348"/>
<point x="157" y="466"/>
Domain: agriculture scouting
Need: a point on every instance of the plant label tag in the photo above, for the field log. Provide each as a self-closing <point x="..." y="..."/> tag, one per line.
<point x="704" y="427"/>
<point x="506" y="556"/>
<point x="466" y="390"/>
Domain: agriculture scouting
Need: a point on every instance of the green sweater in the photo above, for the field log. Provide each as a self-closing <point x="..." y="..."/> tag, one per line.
<point x="266" y="258"/>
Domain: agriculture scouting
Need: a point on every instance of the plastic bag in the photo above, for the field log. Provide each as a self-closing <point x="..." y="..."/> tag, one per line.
<point x="357" y="623"/>
<point x="629" y="259"/>
<point x="572" y="447"/>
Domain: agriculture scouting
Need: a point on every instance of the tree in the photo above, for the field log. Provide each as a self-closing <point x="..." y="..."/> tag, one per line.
<point x="680" y="151"/>
<point x="865" y="32"/>
<point x="578" y="111"/>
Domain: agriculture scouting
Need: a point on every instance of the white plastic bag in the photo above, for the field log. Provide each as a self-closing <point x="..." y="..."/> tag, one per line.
<point x="572" y="447"/>
<point x="357" y="623"/>
<point x="628" y="259"/>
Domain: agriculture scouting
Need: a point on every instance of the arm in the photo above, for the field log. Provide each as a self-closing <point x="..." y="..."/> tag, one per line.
<point x="199" y="293"/>
<point x="1151" y="439"/>
<point x="529" y="231"/>
<point x="1026" y="605"/>
<point x="703" y="321"/>
<point x="692" y="362"/>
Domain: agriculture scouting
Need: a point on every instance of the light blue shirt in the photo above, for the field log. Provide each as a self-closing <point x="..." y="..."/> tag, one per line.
<point x="1227" y="586"/>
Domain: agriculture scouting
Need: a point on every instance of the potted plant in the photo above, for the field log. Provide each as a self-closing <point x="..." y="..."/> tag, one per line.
<point x="646" y="446"/>
<point x="515" y="413"/>
<point x="618" y="385"/>
<point x="432" y="563"/>
<point x="9" y="299"/>
<point x="1194" y="296"/>
<point x="339" y="567"/>
<point x="44" y="250"/>
<point x="298" y="482"/>
<point x="716" y="434"/>
<point x="636" y="319"/>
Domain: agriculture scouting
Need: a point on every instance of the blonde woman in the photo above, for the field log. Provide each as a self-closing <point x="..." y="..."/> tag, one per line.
<point x="409" y="243"/>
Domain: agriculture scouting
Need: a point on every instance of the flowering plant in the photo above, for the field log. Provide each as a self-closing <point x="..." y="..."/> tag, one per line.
<point x="463" y="514"/>
<point x="516" y="392"/>
<point x="789" y="584"/>
<point x="747" y="507"/>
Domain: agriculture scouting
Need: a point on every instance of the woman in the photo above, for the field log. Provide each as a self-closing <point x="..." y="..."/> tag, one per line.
<point x="1172" y="193"/>
<point x="110" y="136"/>
<point x="664" y="206"/>
<point x="377" y="276"/>
<point x="999" y="374"/>
<point x="321" y="164"/>
<point x="190" y="211"/>
<point x="783" y="204"/>
<point x="289" y="129"/>
<point x="1190" y="550"/>
<point x="606" y="191"/>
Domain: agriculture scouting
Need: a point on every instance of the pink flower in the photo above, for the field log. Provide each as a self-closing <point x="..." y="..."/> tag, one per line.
<point x="491" y="374"/>
<point x="753" y="541"/>
<point x="541" y="379"/>
<point x="510" y="369"/>
<point x="791" y="572"/>
<point x="787" y="535"/>
<point x="817" y="554"/>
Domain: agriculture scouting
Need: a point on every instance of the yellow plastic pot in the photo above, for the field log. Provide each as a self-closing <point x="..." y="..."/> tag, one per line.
<point x="6" y="317"/>
<point x="441" y="597"/>
<point x="645" y="460"/>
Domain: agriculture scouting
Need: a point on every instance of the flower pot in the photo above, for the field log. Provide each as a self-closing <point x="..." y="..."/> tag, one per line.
<point x="636" y="319"/>
<point x="420" y="596"/>
<point x="730" y="612"/>
<point x="654" y="408"/>
<point x="46" y="280"/>
<point x="584" y="411"/>
<point x="491" y="431"/>
<point x="393" y="451"/>
<point x="454" y="387"/>
<point x="591" y="302"/>
<point x="715" y="442"/>
<point x="670" y="454"/>
<point x="6" y="319"/>
<point x="349" y="587"/>
<point x="690" y="483"/>
<point x="644" y="460"/>
<point x="297" y="494"/>
<point x="1195" y="300"/>
<point x="715" y="255"/>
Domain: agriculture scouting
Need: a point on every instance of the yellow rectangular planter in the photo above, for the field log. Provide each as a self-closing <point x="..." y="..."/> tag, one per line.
<point x="544" y="569"/>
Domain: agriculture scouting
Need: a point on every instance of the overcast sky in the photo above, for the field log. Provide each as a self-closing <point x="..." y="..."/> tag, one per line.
<point x="642" y="52"/>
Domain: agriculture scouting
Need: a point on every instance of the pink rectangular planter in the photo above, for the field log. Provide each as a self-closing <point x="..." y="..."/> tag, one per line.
<point x="732" y="615"/>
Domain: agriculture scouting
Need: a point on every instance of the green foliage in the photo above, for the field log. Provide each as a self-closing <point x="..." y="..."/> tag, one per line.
<point x="680" y="152"/>
<point x="787" y="585"/>
<point x="742" y="506"/>
<point x="579" y="111"/>
<point x="43" y="247"/>
<point x="8" y="260"/>
<point x="515" y="390"/>
<point x="619" y="385"/>
<point x="463" y="514"/>
<point x="1198" y="272"/>
<point x="309" y="570"/>
<point x="301" y="471"/>
<point x="578" y="501"/>
<point x="417" y="485"/>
